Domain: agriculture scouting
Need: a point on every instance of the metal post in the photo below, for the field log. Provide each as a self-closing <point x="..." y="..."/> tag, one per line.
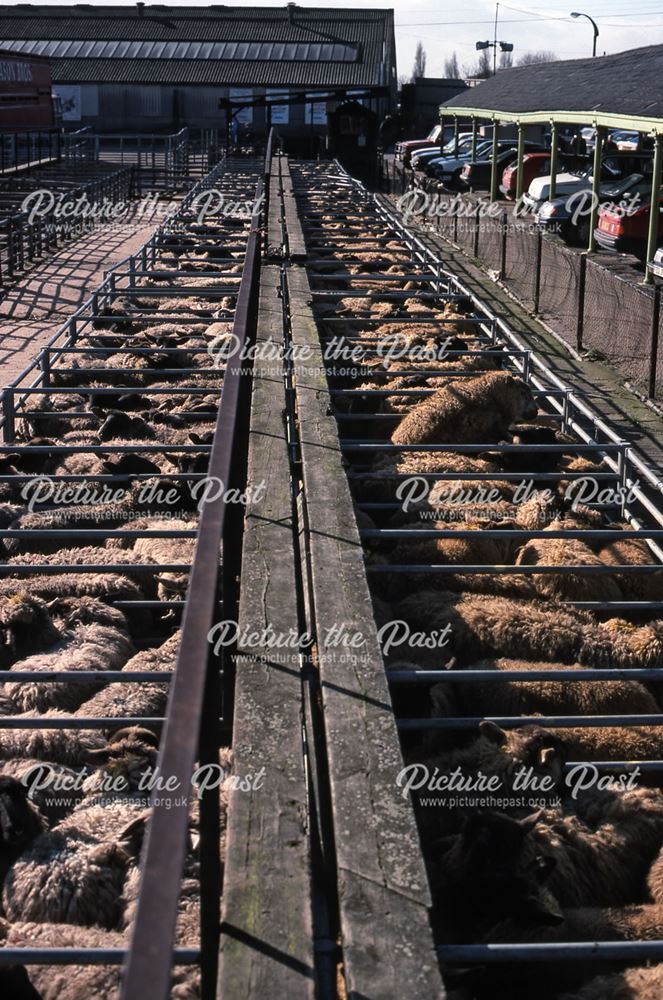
<point x="45" y="364"/>
<point x="477" y="216"/>
<point x="493" y="170"/>
<point x="553" y="159"/>
<point x="474" y="139"/>
<point x="9" y="430"/>
<point x="581" y="302"/>
<point x="456" y="135"/>
<point x="520" y="180"/>
<point x="505" y="222"/>
<point x="537" y="271"/>
<point x="654" y="207"/>
<point x="653" y="353"/>
<point x="601" y="132"/>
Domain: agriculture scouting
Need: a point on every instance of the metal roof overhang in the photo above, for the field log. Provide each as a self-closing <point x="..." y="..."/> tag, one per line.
<point x="598" y="119"/>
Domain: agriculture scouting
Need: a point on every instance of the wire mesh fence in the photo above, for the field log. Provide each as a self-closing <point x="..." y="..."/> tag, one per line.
<point x="593" y="302"/>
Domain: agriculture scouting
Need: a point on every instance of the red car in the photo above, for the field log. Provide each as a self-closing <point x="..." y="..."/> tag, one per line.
<point x="534" y="165"/>
<point x="627" y="230"/>
<point x="405" y="149"/>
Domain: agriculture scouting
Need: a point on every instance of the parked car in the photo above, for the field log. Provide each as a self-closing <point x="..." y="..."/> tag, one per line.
<point x="448" y="168"/>
<point x="614" y="167"/>
<point x="655" y="266"/>
<point x="625" y="139"/>
<point x="571" y="216"/>
<point x="535" y="164"/>
<point x="421" y="160"/>
<point x="417" y="146"/>
<point x="628" y="231"/>
<point x="477" y="173"/>
<point x="589" y="135"/>
<point x="404" y="150"/>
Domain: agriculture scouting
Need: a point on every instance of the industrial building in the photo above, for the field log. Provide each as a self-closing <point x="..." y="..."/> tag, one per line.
<point x="154" y="68"/>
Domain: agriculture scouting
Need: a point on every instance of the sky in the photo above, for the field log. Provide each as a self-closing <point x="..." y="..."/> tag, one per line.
<point x="456" y="27"/>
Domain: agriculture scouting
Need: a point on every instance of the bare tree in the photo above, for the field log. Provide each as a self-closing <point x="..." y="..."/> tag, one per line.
<point x="451" y="67"/>
<point x="483" y="68"/>
<point x="419" y="68"/>
<point x="532" y="58"/>
<point x="506" y="60"/>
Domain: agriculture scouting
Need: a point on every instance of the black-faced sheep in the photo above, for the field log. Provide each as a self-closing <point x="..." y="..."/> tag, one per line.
<point x="490" y="872"/>
<point x="25" y="624"/>
<point x="20" y="821"/>
<point x="473" y="410"/>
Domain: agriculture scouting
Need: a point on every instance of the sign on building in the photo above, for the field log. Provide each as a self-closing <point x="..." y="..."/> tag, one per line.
<point x="315" y="114"/>
<point x="280" y="113"/>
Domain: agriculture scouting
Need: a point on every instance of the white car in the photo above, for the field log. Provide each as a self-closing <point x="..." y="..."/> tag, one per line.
<point x="625" y="140"/>
<point x="655" y="266"/>
<point x="567" y="184"/>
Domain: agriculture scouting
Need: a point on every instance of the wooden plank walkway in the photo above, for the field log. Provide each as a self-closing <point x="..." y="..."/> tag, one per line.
<point x="384" y="900"/>
<point x="267" y="932"/>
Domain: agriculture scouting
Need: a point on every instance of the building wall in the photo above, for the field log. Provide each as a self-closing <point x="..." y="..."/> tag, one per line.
<point x="109" y="108"/>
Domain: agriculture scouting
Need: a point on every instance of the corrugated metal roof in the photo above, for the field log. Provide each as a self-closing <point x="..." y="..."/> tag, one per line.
<point x="213" y="72"/>
<point x="628" y="83"/>
<point x="191" y="23"/>
<point x="372" y="30"/>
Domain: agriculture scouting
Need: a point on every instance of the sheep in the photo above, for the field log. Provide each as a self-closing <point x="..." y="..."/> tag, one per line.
<point x="484" y="625"/>
<point x="91" y="555"/>
<point x="543" y="696"/>
<point x="20" y="822"/>
<point x="25" y="624"/>
<point x="98" y="644"/>
<point x="60" y="746"/>
<point x="163" y="551"/>
<point x="74" y="982"/>
<point x="450" y="551"/>
<point x="567" y="552"/>
<point x="473" y="410"/>
<point x="630" y="984"/>
<point x="634" y="552"/>
<point x="604" y="863"/>
<point x="105" y="586"/>
<point x="387" y="470"/>
<point x="613" y="743"/>
<point x="488" y="872"/>
<point x="75" y="872"/>
<point x="49" y="798"/>
<point x="136" y="700"/>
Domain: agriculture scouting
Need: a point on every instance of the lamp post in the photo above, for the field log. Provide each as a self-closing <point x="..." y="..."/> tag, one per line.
<point x="504" y="47"/>
<point x="594" y="26"/>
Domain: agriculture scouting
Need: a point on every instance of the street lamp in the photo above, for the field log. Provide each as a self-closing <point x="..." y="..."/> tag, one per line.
<point x="594" y="25"/>
<point x="504" y="47"/>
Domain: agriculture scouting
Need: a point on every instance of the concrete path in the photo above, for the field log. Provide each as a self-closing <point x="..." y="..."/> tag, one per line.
<point x="45" y="296"/>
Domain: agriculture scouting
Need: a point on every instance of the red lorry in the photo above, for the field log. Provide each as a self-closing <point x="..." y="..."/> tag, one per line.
<point x="26" y="103"/>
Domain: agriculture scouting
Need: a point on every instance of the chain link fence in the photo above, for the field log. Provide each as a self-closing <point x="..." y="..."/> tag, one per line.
<point x="594" y="302"/>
